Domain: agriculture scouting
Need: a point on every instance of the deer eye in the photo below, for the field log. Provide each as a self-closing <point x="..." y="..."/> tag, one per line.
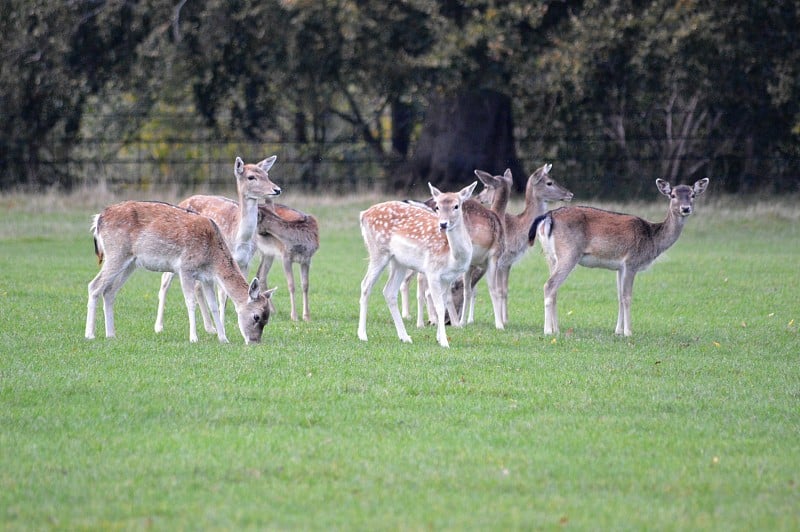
<point x="549" y="183"/>
<point x="256" y="318"/>
<point x="251" y="178"/>
<point x="455" y="207"/>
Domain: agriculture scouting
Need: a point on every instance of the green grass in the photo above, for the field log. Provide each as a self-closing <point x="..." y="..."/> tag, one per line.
<point x="692" y="423"/>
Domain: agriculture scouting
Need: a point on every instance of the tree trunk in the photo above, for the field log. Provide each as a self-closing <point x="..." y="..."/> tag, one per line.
<point x="461" y="133"/>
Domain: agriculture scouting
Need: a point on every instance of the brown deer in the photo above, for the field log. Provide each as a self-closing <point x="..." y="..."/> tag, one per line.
<point x="540" y="189"/>
<point x="163" y="237"/>
<point x="601" y="239"/>
<point x="236" y="219"/>
<point x="294" y="237"/>
<point x="404" y="236"/>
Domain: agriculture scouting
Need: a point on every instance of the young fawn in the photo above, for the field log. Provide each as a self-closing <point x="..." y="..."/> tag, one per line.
<point x="601" y="239"/>
<point x="165" y="238"/>
<point x="404" y="236"/>
<point x="294" y="237"/>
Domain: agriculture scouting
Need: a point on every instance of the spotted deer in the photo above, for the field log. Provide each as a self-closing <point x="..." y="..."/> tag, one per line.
<point x="487" y="235"/>
<point x="162" y="237"/>
<point x="236" y="219"/>
<point x="407" y="237"/>
<point x="597" y="238"/>
<point x="292" y="236"/>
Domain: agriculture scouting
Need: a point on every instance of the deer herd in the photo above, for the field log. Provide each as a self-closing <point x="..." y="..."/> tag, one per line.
<point x="448" y="243"/>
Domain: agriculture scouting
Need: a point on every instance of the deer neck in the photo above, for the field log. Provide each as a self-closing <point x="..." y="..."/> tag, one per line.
<point x="248" y="218"/>
<point x="667" y="232"/>
<point x="500" y="200"/>
<point x="229" y="275"/>
<point x="460" y="243"/>
<point x="534" y="205"/>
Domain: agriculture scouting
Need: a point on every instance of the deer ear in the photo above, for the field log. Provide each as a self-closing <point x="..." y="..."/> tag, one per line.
<point x="434" y="191"/>
<point x="507" y="176"/>
<point x="547" y="168"/>
<point x="269" y="292"/>
<point x="253" y="290"/>
<point x="484" y="176"/>
<point x="238" y="167"/>
<point x="467" y="191"/>
<point x="663" y="186"/>
<point x="700" y="186"/>
<point x="267" y="163"/>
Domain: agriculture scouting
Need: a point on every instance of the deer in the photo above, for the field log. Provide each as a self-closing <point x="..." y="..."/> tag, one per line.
<point x="236" y="219"/>
<point x="487" y="235"/>
<point x="540" y="189"/>
<point x="293" y="236"/>
<point x="405" y="236"/>
<point x="597" y="238"/>
<point x="166" y="238"/>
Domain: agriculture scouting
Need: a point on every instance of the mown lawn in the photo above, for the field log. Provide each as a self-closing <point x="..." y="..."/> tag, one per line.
<point x="692" y="423"/>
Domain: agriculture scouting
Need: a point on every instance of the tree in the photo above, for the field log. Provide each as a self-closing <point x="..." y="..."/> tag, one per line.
<point x="55" y="55"/>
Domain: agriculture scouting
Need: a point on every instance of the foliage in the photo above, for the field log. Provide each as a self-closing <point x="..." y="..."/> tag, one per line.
<point x="616" y="93"/>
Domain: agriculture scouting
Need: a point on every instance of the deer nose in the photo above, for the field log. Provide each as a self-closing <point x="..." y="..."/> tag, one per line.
<point x="277" y="191"/>
<point x="686" y="209"/>
<point x="443" y="226"/>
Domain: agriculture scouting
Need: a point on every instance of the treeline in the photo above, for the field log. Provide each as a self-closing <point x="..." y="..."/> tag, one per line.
<point x="615" y="94"/>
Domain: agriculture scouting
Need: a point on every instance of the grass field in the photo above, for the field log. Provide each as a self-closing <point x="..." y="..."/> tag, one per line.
<point x="693" y="423"/>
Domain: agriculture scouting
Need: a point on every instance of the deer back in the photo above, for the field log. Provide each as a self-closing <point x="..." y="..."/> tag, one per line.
<point x="287" y="230"/>
<point x="224" y="211"/>
<point x="485" y="230"/>
<point x="161" y="236"/>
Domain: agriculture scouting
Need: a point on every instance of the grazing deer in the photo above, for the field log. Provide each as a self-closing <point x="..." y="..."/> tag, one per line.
<point x="601" y="239"/>
<point x="410" y="237"/>
<point x="236" y="220"/>
<point x="294" y="237"/>
<point x="162" y="237"/>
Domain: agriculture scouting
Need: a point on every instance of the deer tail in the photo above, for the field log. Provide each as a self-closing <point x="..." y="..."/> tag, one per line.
<point x="98" y="243"/>
<point x="546" y="219"/>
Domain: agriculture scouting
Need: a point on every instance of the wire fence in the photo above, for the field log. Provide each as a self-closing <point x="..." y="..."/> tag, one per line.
<point x="593" y="167"/>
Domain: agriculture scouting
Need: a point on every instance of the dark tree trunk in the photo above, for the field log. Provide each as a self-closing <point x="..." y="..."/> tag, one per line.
<point x="461" y="133"/>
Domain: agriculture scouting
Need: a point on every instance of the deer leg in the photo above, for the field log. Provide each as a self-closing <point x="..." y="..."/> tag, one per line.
<point x="166" y="281"/>
<point x="422" y="301"/>
<point x="111" y="280"/>
<point x="188" y="288"/>
<point x="210" y="297"/>
<point x="304" y="271"/>
<point x="374" y="270"/>
<point x="461" y="319"/>
<point x="95" y="289"/>
<point x="202" y="304"/>
<point x="625" y="295"/>
<point x="503" y="274"/>
<point x="476" y="274"/>
<point x="494" y="292"/>
<point x="289" y="274"/>
<point x="405" y="301"/>
<point x="558" y="274"/>
<point x="99" y="286"/>
<point x="396" y="276"/>
<point x="438" y="292"/>
<point x="263" y="271"/>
